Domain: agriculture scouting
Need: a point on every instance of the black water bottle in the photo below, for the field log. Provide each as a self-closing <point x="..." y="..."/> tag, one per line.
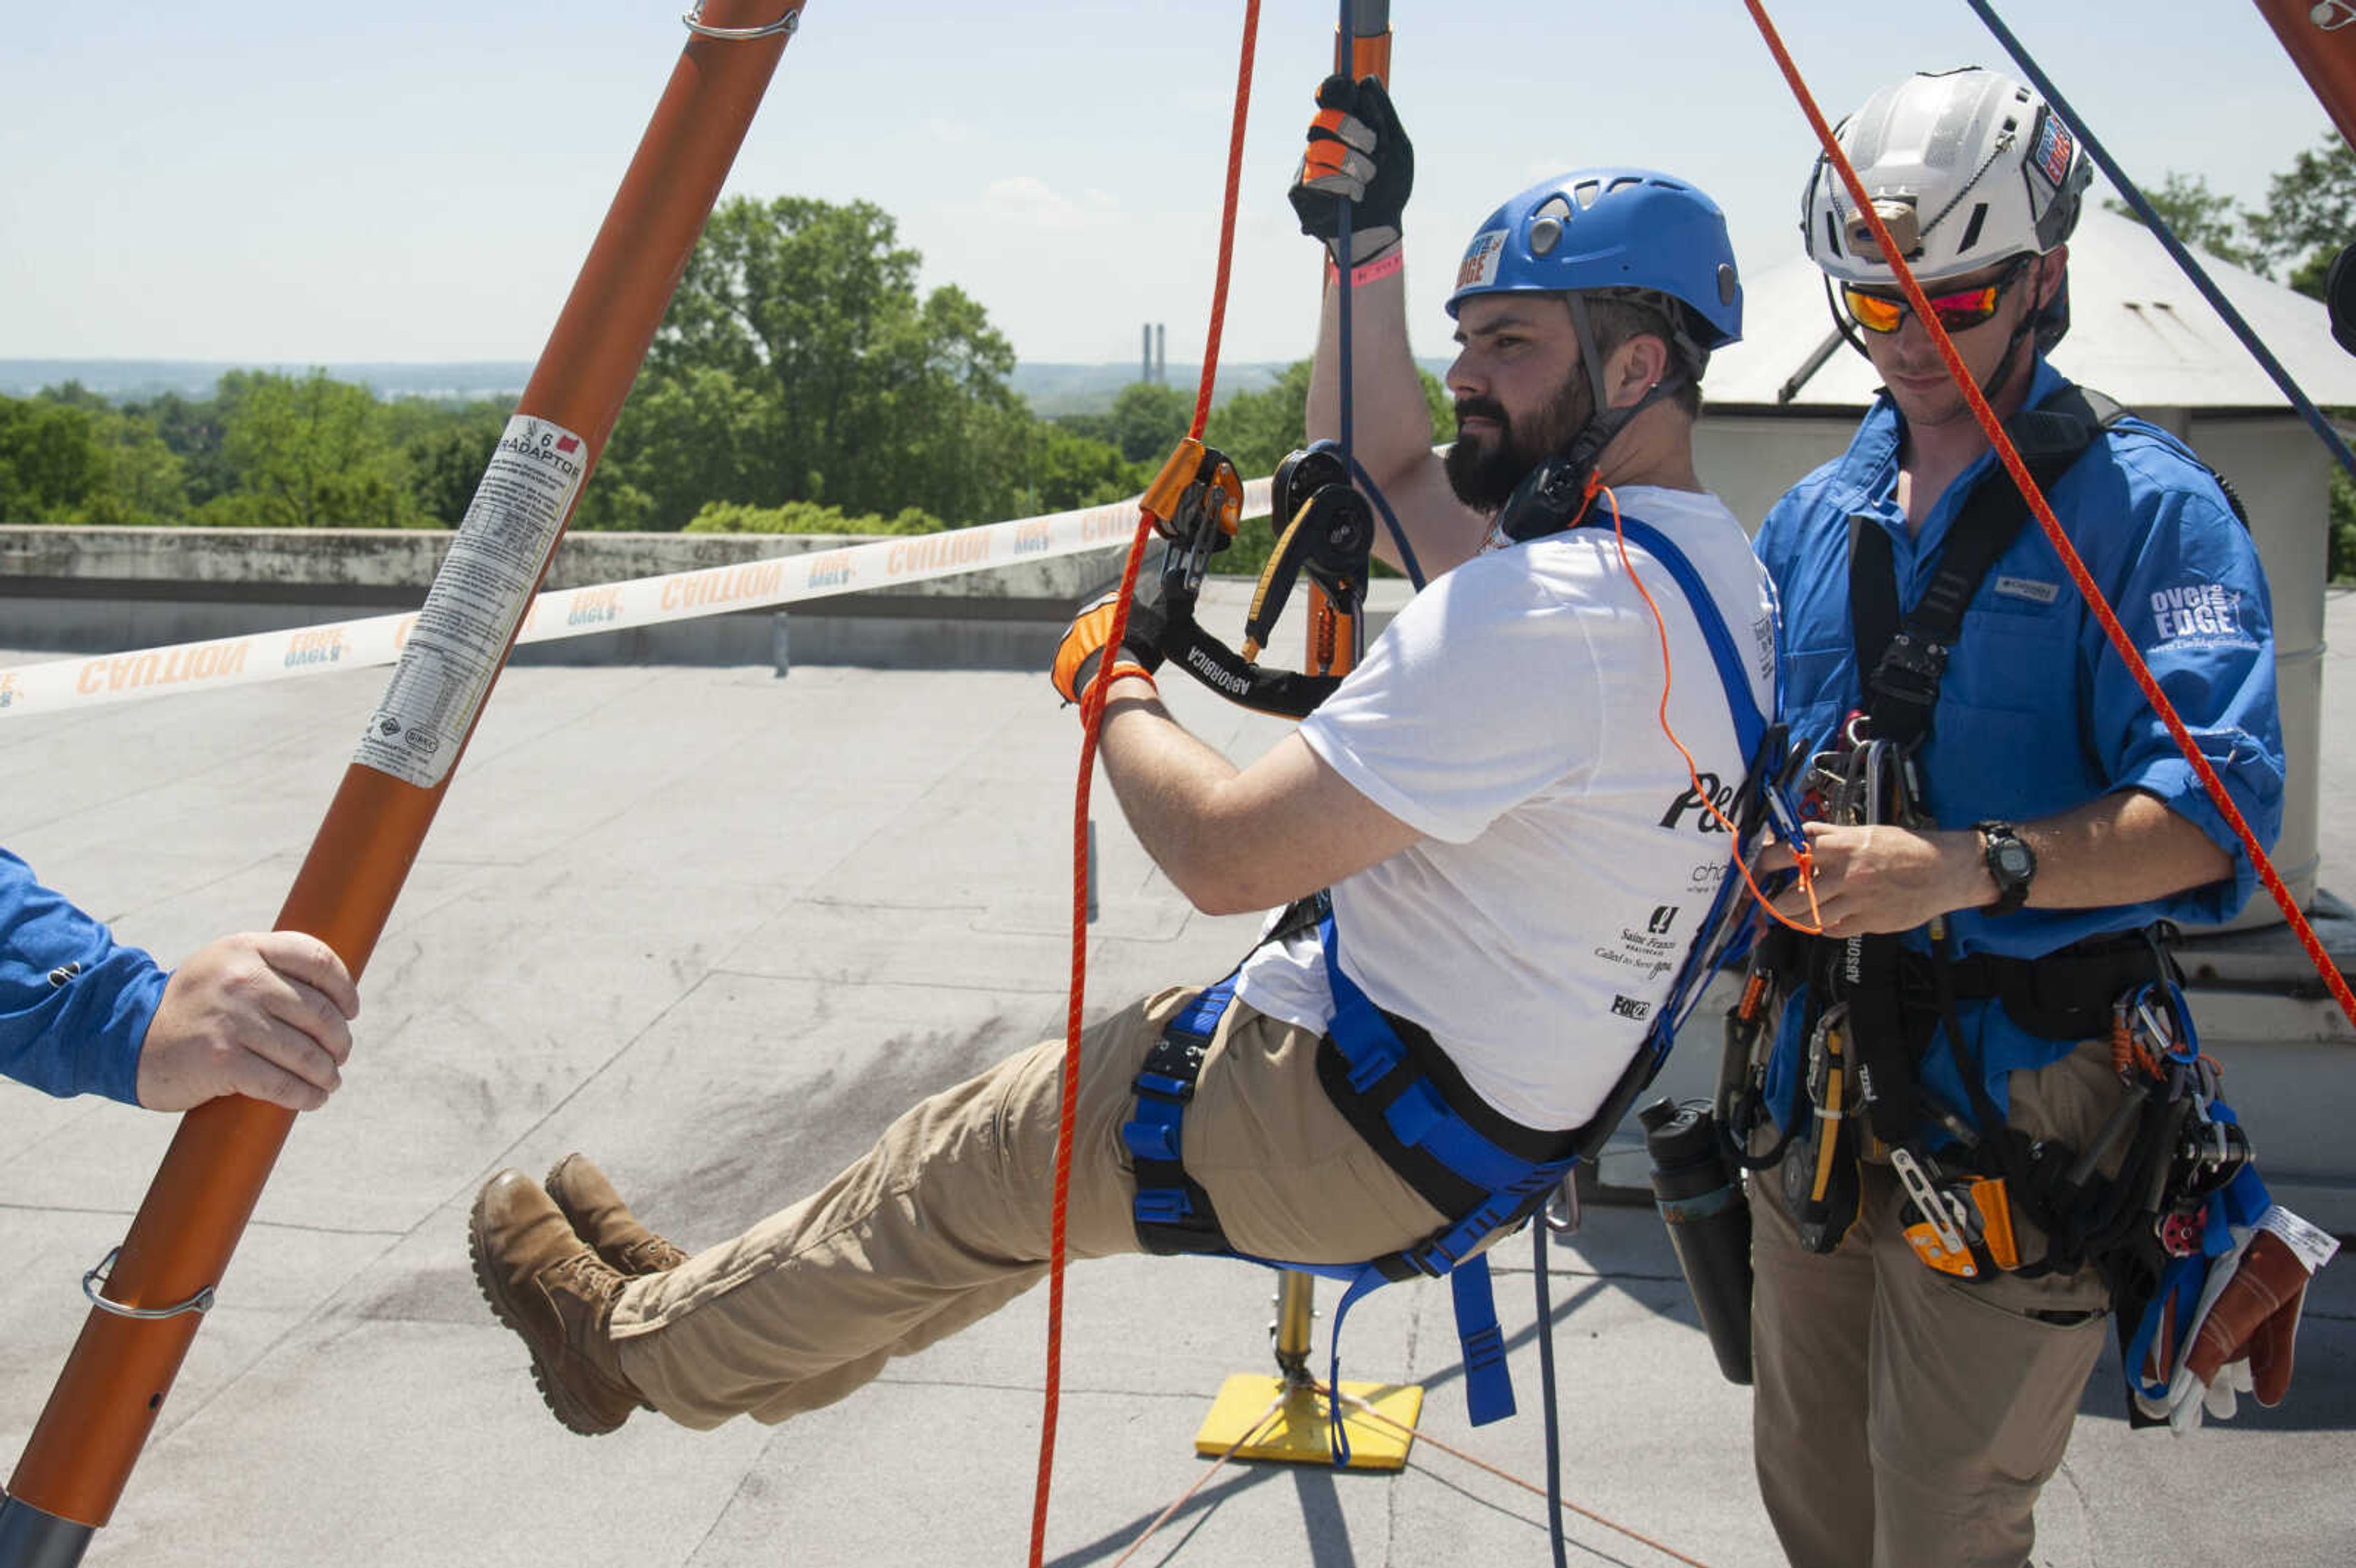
<point x="1699" y="1195"/>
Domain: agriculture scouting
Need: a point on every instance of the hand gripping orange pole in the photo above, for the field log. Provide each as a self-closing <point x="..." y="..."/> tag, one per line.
<point x="99" y="1414"/>
<point x="2321" y="41"/>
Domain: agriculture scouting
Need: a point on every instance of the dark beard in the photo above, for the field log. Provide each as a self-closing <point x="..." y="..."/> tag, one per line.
<point x="1485" y="476"/>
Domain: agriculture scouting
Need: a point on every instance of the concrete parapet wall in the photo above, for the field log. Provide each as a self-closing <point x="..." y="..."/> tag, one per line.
<point x="372" y="566"/>
<point x="106" y="590"/>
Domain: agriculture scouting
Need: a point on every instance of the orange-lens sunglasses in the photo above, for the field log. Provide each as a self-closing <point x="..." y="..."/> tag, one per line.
<point x="1885" y="313"/>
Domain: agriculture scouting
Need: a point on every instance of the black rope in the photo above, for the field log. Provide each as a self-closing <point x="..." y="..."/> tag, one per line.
<point x="1545" y="1391"/>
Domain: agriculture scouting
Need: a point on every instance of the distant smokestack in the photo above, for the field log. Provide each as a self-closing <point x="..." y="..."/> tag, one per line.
<point x="1161" y="354"/>
<point x="1145" y="352"/>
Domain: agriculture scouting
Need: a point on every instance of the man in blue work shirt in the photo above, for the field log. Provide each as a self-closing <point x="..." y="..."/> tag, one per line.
<point x="1907" y="1416"/>
<point x="261" y="1014"/>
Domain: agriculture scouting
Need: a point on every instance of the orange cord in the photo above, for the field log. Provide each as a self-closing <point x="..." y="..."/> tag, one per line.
<point x="1092" y="705"/>
<point x="2088" y="591"/>
<point x="1807" y="863"/>
<point x="1268" y="1418"/>
<point x="1568" y="1506"/>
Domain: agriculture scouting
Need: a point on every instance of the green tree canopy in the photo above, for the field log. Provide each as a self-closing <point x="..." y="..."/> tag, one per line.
<point x="798" y="361"/>
<point x="306" y="454"/>
<point x="52" y="461"/>
<point x="1259" y="429"/>
<point x="1147" y="420"/>
<point x="2310" y="213"/>
<point x="1063" y="470"/>
<point x="2199" y="216"/>
<point x="444" y="452"/>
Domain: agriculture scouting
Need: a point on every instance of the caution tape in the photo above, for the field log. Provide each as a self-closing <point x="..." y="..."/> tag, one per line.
<point x="60" y="684"/>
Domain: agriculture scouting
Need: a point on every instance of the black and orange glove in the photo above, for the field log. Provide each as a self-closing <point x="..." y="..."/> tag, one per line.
<point x="1083" y="646"/>
<point x="1357" y="156"/>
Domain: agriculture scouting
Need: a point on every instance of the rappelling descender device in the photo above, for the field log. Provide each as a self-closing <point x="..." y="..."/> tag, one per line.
<point x="1326" y="532"/>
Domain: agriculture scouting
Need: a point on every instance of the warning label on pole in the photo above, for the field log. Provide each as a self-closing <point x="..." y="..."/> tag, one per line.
<point x="481" y="591"/>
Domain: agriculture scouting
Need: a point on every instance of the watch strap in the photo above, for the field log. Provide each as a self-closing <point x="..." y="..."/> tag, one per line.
<point x="2005" y="853"/>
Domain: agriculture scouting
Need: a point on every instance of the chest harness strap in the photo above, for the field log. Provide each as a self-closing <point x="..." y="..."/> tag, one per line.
<point x="1903" y="664"/>
<point x="1397" y="1087"/>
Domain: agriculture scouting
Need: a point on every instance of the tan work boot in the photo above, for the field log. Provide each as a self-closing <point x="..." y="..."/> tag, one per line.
<point x="546" y="1283"/>
<point x="600" y="1218"/>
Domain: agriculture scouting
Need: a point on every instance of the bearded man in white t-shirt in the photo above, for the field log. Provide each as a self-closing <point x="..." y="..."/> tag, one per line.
<point x="1515" y="801"/>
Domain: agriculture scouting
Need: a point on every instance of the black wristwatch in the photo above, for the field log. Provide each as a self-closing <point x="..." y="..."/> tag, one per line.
<point x="2011" y="865"/>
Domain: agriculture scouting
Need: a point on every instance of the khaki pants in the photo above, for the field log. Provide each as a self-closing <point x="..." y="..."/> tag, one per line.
<point x="1904" y="1419"/>
<point x="949" y="1217"/>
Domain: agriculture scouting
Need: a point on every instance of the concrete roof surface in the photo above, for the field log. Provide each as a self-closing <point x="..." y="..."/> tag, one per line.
<point x="714" y="927"/>
<point x="2139" y="330"/>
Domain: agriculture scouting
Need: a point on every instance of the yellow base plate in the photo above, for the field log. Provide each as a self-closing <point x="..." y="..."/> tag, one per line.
<point x="1299" y="1434"/>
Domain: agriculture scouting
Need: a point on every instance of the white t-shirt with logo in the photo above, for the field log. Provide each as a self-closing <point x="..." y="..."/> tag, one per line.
<point x="1512" y="714"/>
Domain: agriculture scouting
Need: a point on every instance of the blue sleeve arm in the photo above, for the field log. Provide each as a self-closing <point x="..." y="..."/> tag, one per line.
<point x="74" y="1003"/>
<point x="2192" y="598"/>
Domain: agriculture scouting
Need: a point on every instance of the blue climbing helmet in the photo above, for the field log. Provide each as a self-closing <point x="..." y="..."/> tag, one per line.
<point x="1631" y="233"/>
<point x="1611" y="228"/>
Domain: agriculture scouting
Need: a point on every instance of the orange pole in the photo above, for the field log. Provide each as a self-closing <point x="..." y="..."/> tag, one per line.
<point x="2321" y="41"/>
<point x="1335" y="640"/>
<point x="105" y="1401"/>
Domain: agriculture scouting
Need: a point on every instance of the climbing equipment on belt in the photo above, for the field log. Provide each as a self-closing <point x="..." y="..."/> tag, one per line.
<point x="2141" y="1200"/>
<point x="1874" y="1002"/>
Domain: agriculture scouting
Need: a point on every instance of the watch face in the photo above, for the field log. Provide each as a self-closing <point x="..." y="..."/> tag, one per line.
<point x="2013" y="858"/>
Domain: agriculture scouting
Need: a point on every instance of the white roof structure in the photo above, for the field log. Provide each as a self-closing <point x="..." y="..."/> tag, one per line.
<point x="2139" y="330"/>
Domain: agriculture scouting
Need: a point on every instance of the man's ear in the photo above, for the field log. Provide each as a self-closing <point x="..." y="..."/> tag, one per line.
<point x="1635" y="367"/>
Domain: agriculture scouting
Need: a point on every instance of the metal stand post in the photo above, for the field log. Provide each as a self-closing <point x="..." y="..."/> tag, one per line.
<point x="1296" y="1309"/>
<point x="1288" y="1419"/>
<point x="31" y="1539"/>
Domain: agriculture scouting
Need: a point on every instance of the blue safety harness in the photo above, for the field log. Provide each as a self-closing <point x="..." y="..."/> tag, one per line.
<point x="1397" y="1087"/>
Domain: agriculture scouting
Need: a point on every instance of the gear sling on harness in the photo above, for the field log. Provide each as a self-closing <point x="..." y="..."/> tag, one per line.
<point x="1396" y="1086"/>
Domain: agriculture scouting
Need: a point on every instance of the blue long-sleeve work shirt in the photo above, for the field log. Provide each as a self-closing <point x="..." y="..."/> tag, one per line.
<point x="2037" y="712"/>
<point x="74" y="1002"/>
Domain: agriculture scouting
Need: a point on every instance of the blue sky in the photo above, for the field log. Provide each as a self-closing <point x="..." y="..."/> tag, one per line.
<point x="417" y="182"/>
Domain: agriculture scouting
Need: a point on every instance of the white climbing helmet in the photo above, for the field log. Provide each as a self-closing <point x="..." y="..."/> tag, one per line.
<point x="1967" y="168"/>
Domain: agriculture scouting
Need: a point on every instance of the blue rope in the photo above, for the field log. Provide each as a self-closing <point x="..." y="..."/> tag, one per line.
<point x="2192" y="269"/>
<point x="1390" y="522"/>
<point x="1545" y="1391"/>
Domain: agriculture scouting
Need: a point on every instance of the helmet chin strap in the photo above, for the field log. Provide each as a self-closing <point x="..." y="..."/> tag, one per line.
<point x="1553" y="495"/>
<point x="2035" y="320"/>
<point x="2003" y="372"/>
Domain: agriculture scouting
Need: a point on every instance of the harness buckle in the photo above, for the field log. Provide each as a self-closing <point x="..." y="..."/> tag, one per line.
<point x="1909" y="671"/>
<point x="1432" y="1259"/>
<point x="1151" y="1140"/>
<point x="1178" y="1089"/>
<point x="1163" y="1205"/>
<point x="1416" y="1112"/>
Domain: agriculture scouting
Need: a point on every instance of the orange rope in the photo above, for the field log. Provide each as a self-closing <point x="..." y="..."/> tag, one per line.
<point x="1091" y="722"/>
<point x="1568" y="1506"/>
<point x="2076" y="568"/>
<point x="1268" y="1418"/>
<point x="1807" y="863"/>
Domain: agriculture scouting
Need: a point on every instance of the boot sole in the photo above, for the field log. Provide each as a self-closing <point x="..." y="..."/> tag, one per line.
<point x="568" y="1410"/>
